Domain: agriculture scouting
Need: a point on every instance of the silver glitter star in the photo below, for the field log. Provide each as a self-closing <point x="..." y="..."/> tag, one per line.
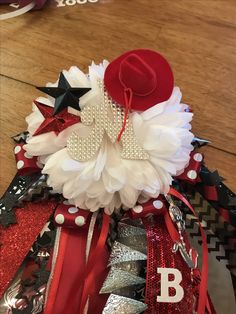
<point x="121" y="253"/>
<point x="118" y="279"/>
<point x="125" y="230"/>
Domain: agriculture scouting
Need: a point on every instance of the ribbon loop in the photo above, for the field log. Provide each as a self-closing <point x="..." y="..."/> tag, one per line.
<point x="69" y="216"/>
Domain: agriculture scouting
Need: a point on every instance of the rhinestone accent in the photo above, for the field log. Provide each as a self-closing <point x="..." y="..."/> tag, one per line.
<point x="105" y="118"/>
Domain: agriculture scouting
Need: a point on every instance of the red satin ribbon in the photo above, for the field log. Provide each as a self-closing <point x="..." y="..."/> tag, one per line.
<point x="57" y="273"/>
<point x="210" y="193"/>
<point x="225" y="214"/>
<point x="194" y="165"/>
<point x="25" y="164"/>
<point x="94" y="255"/>
<point x="202" y="302"/>
<point x="73" y="280"/>
<point x="70" y="215"/>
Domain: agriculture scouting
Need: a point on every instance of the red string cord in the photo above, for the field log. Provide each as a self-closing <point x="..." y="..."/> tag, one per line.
<point x="128" y="95"/>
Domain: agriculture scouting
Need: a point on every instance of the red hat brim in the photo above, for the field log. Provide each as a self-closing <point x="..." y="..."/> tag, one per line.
<point x="164" y="77"/>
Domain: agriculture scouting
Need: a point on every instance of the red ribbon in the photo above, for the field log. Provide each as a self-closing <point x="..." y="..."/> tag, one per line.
<point x="70" y="216"/>
<point x="159" y="208"/>
<point x="25" y="163"/>
<point x="54" y="287"/>
<point x="93" y="257"/>
<point x="160" y="255"/>
<point x="210" y="193"/>
<point x="74" y="281"/>
<point x="191" y="172"/>
<point x="225" y="214"/>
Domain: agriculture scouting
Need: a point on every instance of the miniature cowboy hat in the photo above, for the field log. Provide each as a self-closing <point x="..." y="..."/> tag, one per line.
<point x="143" y="72"/>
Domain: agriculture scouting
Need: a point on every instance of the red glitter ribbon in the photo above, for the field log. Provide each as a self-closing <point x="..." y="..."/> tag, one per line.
<point x="16" y="240"/>
<point x="160" y="255"/>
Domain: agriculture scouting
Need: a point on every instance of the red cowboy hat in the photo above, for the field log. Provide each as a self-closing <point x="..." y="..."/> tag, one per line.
<point x="144" y="73"/>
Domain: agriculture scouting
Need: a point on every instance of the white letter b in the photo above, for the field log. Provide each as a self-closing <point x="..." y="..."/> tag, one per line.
<point x="166" y="284"/>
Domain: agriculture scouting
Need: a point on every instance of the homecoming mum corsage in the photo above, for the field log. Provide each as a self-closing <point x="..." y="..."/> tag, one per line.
<point x="94" y="220"/>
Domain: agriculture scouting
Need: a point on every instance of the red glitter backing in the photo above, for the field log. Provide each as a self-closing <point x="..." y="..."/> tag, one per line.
<point x="160" y="255"/>
<point x="16" y="240"/>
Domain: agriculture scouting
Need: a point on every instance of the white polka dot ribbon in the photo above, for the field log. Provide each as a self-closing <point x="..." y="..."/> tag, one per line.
<point x="152" y="207"/>
<point x="191" y="172"/>
<point x="25" y="163"/>
<point x="69" y="216"/>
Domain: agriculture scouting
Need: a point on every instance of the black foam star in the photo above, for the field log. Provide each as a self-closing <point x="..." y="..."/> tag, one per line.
<point x="65" y="95"/>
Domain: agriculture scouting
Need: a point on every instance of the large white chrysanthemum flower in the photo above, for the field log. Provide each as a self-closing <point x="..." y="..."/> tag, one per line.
<point x="107" y="180"/>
